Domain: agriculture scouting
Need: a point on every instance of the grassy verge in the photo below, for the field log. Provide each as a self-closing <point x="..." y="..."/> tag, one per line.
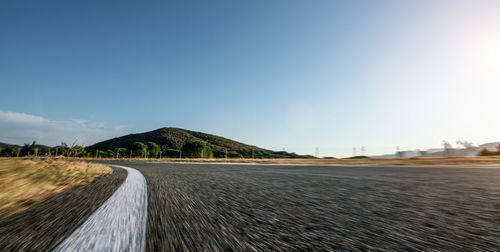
<point x="24" y="182"/>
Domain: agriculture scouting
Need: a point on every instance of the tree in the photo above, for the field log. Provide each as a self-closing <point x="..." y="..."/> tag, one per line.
<point x="446" y="144"/>
<point x="447" y="147"/>
<point x="153" y="149"/>
<point x="138" y="149"/>
<point x="46" y="151"/>
<point x="485" y="152"/>
<point x="121" y="152"/>
<point x="101" y="154"/>
<point x="62" y="149"/>
<point x="234" y="154"/>
<point x="465" y="144"/>
<point x="28" y="149"/>
<point x="196" y="149"/>
<point x="173" y="153"/>
<point x="75" y="151"/>
<point x="110" y="154"/>
<point x="10" y="151"/>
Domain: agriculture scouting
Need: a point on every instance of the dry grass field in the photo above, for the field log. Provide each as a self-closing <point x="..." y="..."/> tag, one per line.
<point x="24" y="182"/>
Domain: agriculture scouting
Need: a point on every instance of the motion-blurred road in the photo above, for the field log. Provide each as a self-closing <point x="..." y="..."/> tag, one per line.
<point x="210" y="207"/>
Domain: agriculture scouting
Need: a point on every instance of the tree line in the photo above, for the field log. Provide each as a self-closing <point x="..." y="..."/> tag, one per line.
<point x="192" y="149"/>
<point x="32" y="150"/>
<point x="486" y="152"/>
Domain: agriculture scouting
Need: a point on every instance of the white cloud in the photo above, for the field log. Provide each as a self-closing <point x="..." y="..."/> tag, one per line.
<point x="19" y="128"/>
<point x="21" y="118"/>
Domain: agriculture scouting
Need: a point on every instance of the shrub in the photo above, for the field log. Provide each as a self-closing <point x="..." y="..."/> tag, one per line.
<point x="46" y="151"/>
<point x="28" y="149"/>
<point x="153" y="149"/>
<point x="10" y="151"/>
<point x="486" y="152"/>
<point x="173" y="153"/>
<point x="196" y="149"/>
<point x="138" y="149"/>
<point x="234" y="154"/>
<point x="102" y="154"/>
<point x="121" y="152"/>
<point x="75" y="151"/>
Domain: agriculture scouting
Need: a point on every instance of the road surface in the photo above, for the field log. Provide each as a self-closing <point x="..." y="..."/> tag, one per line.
<point x="213" y="207"/>
<point x="209" y="207"/>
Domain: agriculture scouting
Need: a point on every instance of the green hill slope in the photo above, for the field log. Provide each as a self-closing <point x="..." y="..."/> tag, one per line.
<point x="175" y="138"/>
<point x="6" y="145"/>
<point x="38" y="146"/>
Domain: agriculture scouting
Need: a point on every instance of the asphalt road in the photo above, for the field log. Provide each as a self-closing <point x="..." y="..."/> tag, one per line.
<point x="209" y="207"/>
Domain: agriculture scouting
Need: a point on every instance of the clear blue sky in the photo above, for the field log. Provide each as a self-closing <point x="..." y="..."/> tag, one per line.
<point x="277" y="74"/>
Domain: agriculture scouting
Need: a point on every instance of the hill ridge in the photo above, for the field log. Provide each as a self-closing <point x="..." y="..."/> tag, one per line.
<point x="175" y="138"/>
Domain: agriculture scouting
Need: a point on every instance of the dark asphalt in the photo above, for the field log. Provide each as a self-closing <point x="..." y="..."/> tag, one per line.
<point x="44" y="225"/>
<point x="201" y="207"/>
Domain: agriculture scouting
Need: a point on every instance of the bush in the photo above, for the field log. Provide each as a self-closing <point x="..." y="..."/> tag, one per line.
<point x="486" y="152"/>
<point x="234" y="154"/>
<point x="102" y="154"/>
<point x="138" y="149"/>
<point x="76" y="151"/>
<point x="153" y="149"/>
<point x="28" y="149"/>
<point x="196" y="149"/>
<point x="10" y="151"/>
<point x="173" y="153"/>
<point x="121" y="152"/>
<point x="60" y="150"/>
<point x="47" y="151"/>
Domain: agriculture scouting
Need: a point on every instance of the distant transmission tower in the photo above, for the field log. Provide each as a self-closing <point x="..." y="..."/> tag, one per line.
<point x="363" y="151"/>
<point x="354" y="152"/>
<point x="317" y="152"/>
<point x="399" y="154"/>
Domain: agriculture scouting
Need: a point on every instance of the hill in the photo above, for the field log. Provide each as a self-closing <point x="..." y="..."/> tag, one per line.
<point x="490" y="146"/>
<point x="175" y="138"/>
<point x="6" y="145"/>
